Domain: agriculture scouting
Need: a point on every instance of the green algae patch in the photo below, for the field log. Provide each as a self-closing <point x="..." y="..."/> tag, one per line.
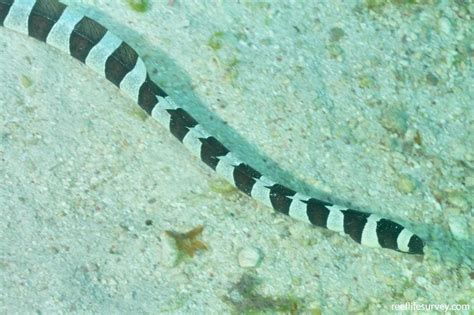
<point x="223" y="187"/>
<point x="379" y="5"/>
<point x="245" y="299"/>
<point x="216" y="40"/>
<point x="232" y="72"/>
<point x="138" y="5"/>
<point x="138" y="113"/>
<point x="25" y="81"/>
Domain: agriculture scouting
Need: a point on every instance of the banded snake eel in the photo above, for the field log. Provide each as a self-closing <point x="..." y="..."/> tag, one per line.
<point x="91" y="43"/>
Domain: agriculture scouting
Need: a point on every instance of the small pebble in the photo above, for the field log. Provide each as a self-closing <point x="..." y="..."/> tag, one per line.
<point x="406" y="184"/>
<point x="432" y="79"/>
<point x="395" y="120"/>
<point x="249" y="257"/>
<point x="445" y="25"/>
<point x="469" y="181"/>
<point x="458" y="199"/>
<point x="336" y="33"/>
<point x="459" y="227"/>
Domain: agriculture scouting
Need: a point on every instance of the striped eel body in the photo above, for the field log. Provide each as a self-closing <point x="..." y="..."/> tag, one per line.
<point x="88" y="41"/>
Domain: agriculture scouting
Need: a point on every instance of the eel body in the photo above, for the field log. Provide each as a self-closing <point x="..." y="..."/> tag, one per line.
<point x="69" y="30"/>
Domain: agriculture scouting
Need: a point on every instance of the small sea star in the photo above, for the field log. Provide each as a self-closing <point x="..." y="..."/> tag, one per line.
<point x="187" y="242"/>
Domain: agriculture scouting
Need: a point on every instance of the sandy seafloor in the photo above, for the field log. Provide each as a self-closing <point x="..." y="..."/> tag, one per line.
<point x="369" y="104"/>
